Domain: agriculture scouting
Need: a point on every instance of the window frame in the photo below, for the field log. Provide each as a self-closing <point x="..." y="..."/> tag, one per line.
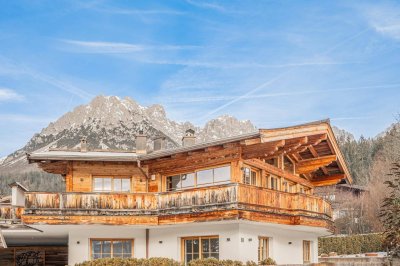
<point x="196" y="184"/>
<point x="112" y="183"/>
<point x="200" y="238"/>
<point x="306" y="251"/>
<point x="112" y="246"/>
<point x="263" y="238"/>
<point x="251" y="177"/>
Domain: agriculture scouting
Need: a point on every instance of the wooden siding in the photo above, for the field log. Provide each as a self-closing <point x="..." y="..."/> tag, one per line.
<point x="231" y="201"/>
<point x="10" y="213"/>
<point x="50" y="256"/>
<point x="80" y="175"/>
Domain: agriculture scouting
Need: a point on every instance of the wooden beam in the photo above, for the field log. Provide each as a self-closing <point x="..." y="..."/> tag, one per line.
<point x="315" y="154"/>
<point x="278" y="172"/>
<point x="328" y="180"/>
<point x="310" y="165"/>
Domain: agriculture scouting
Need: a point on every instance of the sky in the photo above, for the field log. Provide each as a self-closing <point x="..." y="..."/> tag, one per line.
<point x="276" y="63"/>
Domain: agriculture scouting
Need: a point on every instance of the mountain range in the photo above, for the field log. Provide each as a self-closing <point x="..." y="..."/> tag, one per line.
<point x="111" y="123"/>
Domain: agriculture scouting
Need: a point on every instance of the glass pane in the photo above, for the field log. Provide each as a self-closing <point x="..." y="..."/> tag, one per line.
<point x="126" y="185"/>
<point x="188" y="180"/>
<point x="127" y="247"/>
<point x="117" y="255"/>
<point x="117" y="184"/>
<point x="195" y="256"/>
<point x="205" y="177"/>
<point x="96" y="256"/>
<point x="189" y="246"/>
<point x="214" y="244"/>
<point x="107" y="184"/>
<point x="196" y="246"/>
<point x="189" y="257"/>
<point x="205" y="243"/>
<point x="222" y="174"/>
<point x="214" y="255"/>
<point x="174" y="182"/>
<point x="117" y="247"/>
<point x="127" y="255"/>
<point x="246" y="175"/>
<point x="106" y="247"/>
<point x="253" y="177"/>
<point x="206" y="255"/>
<point x="98" y="184"/>
<point x="106" y="255"/>
<point x="96" y="246"/>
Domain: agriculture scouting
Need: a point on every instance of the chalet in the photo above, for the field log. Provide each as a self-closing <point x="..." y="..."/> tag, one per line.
<point x="247" y="197"/>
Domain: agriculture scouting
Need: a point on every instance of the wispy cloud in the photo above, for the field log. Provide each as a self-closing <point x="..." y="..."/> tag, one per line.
<point x="384" y="19"/>
<point x="17" y="118"/>
<point x="120" y="48"/>
<point x="9" y="95"/>
<point x="207" y="5"/>
<point x="9" y="67"/>
<point x="277" y="94"/>
<point x="99" y="6"/>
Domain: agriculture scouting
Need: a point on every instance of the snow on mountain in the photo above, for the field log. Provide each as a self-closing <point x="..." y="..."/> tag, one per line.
<point x="109" y="122"/>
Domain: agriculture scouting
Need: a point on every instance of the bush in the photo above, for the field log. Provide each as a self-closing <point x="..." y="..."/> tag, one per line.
<point x="131" y="262"/>
<point x="268" y="261"/>
<point x="215" y="262"/>
<point x="353" y="244"/>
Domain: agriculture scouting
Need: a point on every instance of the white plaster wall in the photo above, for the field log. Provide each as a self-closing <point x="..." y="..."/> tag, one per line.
<point x="171" y="239"/>
<point x="280" y="249"/>
<point x="83" y="233"/>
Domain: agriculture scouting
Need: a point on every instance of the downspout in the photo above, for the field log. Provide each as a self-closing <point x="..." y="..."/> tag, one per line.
<point x="147" y="242"/>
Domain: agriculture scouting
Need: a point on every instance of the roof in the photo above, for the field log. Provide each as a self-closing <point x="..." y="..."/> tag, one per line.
<point x="17" y="184"/>
<point x="321" y="127"/>
<point x="84" y="156"/>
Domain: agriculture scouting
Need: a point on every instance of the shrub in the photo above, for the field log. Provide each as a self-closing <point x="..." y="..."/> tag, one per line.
<point x="268" y="261"/>
<point x="353" y="244"/>
<point x="215" y="262"/>
<point x="131" y="262"/>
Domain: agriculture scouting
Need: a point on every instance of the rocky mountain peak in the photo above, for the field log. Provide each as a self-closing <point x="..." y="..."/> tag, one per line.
<point x="109" y="122"/>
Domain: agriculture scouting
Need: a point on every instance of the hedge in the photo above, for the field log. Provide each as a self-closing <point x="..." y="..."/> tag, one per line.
<point x="130" y="262"/>
<point x="165" y="262"/>
<point x="353" y="244"/>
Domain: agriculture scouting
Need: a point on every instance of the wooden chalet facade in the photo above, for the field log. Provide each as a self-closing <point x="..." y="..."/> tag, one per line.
<point x="247" y="197"/>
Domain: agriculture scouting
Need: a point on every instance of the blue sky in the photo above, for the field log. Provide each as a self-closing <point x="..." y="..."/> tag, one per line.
<point x="276" y="63"/>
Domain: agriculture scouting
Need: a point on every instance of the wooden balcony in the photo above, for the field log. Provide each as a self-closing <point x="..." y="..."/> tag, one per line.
<point x="224" y="202"/>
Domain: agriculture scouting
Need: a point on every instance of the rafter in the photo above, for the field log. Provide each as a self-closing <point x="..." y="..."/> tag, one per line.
<point x="327" y="180"/>
<point x="310" y="165"/>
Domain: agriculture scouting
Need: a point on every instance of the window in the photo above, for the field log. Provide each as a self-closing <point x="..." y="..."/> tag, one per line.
<point x="249" y="176"/>
<point x="263" y="248"/>
<point x="214" y="175"/>
<point x="109" y="184"/>
<point x="306" y="251"/>
<point x="177" y="182"/>
<point x="111" y="248"/>
<point x="200" y="178"/>
<point x="200" y="247"/>
<point x="274" y="182"/>
<point x="288" y="165"/>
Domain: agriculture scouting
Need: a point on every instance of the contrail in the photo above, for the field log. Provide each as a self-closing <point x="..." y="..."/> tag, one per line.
<point x="277" y="94"/>
<point x="354" y="36"/>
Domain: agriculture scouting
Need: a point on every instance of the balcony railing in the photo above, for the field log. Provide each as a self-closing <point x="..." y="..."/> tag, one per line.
<point x="223" y="197"/>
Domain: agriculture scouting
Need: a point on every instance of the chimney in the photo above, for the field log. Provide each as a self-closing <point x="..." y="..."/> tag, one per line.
<point x="17" y="194"/>
<point x="189" y="138"/>
<point x="83" y="144"/>
<point x="159" y="143"/>
<point x="141" y="143"/>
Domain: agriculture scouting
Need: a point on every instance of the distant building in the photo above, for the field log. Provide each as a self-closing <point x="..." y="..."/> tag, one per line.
<point x="247" y="197"/>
